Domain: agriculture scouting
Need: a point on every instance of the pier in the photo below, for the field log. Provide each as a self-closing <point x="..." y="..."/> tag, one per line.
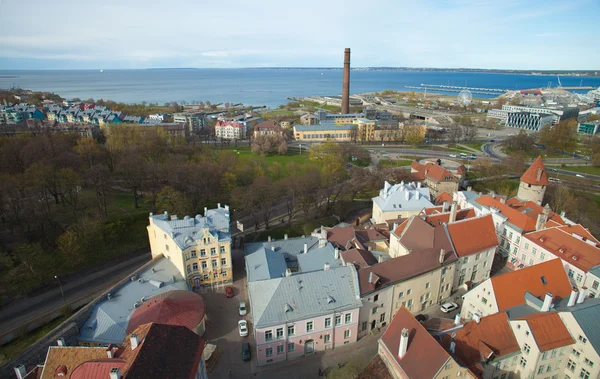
<point x="481" y="91"/>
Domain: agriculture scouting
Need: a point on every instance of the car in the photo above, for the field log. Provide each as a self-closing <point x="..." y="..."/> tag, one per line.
<point x="492" y="140"/>
<point x="452" y="155"/>
<point x="473" y="156"/>
<point x="229" y="292"/>
<point x="579" y="176"/>
<point x="463" y="155"/>
<point x="246" y="352"/>
<point x="553" y="169"/>
<point x="243" y="310"/>
<point x="448" y="307"/>
<point x="421" y="317"/>
<point x="243" y="328"/>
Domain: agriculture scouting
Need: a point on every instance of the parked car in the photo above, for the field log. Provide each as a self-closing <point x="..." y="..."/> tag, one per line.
<point x="473" y="156"/>
<point x="553" y="169"/>
<point x="421" y="317"/>
<point x="580" y="176"/>
<point x="243" y="310"/>
<point x="452" y="155"/>
<point x="229" y="292"/>
<point x="243" y="328"/>
<point x="246" y="352"/>
<point x="448" y="307"/>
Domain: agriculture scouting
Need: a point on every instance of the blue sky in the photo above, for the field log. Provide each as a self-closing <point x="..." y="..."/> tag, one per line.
<point x="93" y="34"/>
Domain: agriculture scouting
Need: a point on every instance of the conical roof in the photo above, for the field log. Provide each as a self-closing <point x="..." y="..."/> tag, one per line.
<point x="536" y="173"/>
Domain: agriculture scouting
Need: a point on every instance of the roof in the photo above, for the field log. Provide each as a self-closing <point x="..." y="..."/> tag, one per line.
<point x="549" y="330"/>
<point x="359" y="257"/>
<point x="571" y="243"/>
<point x="370" y="235"/>
<point x="418" y="235"/>
<point x="109" y="318"/>
<point x="233" y="124"/>
<point x="265" y="264"/>
<point x="266" y="125"/>
<point x="302" y="296"/>
<point x="587" y="318"/>
<point x="178" y="307"/>
<point x="422" y="347"/>
<point x="440" y="218"/>
<point x="323" y="127"/>
<point x="442" y="198"/>
<point x="433" y="171"/>
<point x="402" y="197"/>
<point x="481" y="342"/>
<point x="70" y="357"/>
<point x="344" y="238"/>
<point x="473" y="235"/>
<point x="375" y="369"/>
<point x="536" y="173"/>
<point x="510" y="288"/>
<point x="520" y="218"/>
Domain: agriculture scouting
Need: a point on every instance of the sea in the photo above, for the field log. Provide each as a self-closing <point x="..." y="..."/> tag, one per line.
<point x="257" y="87"/>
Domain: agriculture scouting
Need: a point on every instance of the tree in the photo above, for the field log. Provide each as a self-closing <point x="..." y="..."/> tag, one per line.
<point x="521" y="142"/>
<point x="133" y="175"/>
<point x="98" y="177"/>
<point x="172" y="201"/>
<point x="561" y="137"/>
<point x="414" y="134"/>
<point x="455" y="133"/>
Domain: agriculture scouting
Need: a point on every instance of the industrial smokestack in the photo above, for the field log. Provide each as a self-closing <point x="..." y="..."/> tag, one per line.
<point x="346" y="85"/>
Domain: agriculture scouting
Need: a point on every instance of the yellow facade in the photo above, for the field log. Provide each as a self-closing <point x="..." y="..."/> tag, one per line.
<point x="332" y="134"/>
<point x="366" y="130"/>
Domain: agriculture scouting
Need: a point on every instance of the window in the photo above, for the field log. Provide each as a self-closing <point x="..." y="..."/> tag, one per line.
<point x="309" y="326"/>
<point x="582" y="339"/>
<point x="523" y="362"/>
<point x="588" y="362"/>
<point x="327" y="338"/>
<point x="204" y="265"/>
<point x="510" y="235"/>
<point x="444" y="270"/>
<point x="279" y="333"/>
<point x="541" y="369"/>
<point x="205" y="276"/>
<point x="530" y="262"/>
<point x="195" y="266"/>
<point x="542" y="256"/>
<point x="279" y="349"/>
<point x="328" y="322"/>
<point x="579" y="278"/>
<point x="427" y="285"/>
<point x="189" y="269"/>
<point x="167" y="247"/>
<point x="338" y="320"/>
<point x="193" y="253"/>
<point x="346" y="334"/>
<point x="269" y="351"/>
<point x="375" y="298"/>
<point x="214" y="263"/>
<point x="268" y="335"/>
<point x="484" y="300"/>
<point x="374" y="311"/>
<point x="526" y="348"/>
<point x="527" y="333"/>
<point x="584" y="374"/>
<point x="409" y="292"/>
<point x="518" y="240"/>
<point x="291" y="347"/>
<point x="213" y="251"/>
<point x="401" y="295"/>
<point x="554" y="353"/>
<point x="222" y="249"/>
<point x="202" y="252"/>
<point x="466" y="260"/>
<point x="410" y="304"/>
<point x="533" y="251"/>
<point x="291" y="330"/>
<point x="382" y="317"/>
<point x="571" y="365"/>
<point x="576" y="353"/>
<point x="223" y="262"/>
<point x="523" y="257"/>
<point x="595" y="285"/>
<point x="363" y="327"/>
<point x="526" y="246"/>
<point x="165" y="235"/>
<point x="348" y="318"/>
<point x="545" y="355"/>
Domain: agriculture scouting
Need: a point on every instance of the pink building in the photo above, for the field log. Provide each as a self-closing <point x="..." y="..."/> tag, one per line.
<point x="300" y="314"/>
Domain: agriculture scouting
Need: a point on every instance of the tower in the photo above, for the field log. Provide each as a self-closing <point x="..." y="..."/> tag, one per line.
<point x="346" y="83"/>
<point x="534" y="182"/>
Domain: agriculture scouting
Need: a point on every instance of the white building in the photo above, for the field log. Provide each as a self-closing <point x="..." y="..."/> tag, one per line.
<point x="230" y="130"/>
<point x="400" y="201"/>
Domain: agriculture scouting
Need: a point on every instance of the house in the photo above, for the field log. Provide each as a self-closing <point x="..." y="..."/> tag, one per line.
<point x="325" y="132"/>
<point x="266" y="128"/>
<point x="308" y="119"/>
<point x="435" y="177"/>
<point x="533" y="183"/>
<point x="230" y="130"/>
<point x="133" y="119"/>
<point x="299" y="314"/>
<point x="200" y="247"/>
<point x="518" y="288"/>
<point x="400" y="201"/>
<point x="410" y="352"/>
<point x="193" y="121"/>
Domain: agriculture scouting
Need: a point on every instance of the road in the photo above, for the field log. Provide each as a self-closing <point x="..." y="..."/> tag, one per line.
<point x="25" y="310"/>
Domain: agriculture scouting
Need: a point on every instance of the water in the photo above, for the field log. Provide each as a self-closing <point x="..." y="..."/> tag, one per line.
<point x="270" y="87"/>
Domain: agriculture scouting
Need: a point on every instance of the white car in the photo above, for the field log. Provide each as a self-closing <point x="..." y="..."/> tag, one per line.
<point x="448" y="307"/>
<point x="243" y="328"/>
<point x="452" y="155"/>
<point x="243" y="310"/>
<point x="579" y="176"/>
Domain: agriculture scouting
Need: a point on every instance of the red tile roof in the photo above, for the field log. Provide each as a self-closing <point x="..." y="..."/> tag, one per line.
<point x="97" y="369"/>
<point x="424" y="356"/>
<point x="359" y="257"/>
<point x="473" y="235"/>
<point x="510" y="288"/>
<point x="441" y="218"/>
<point x="344" y="238"/>
<point x="549" y="330"/>
<point x="481" y="342"/>
<point x="432" y="171"/>
<point x="536" y="173"/>
<point x="266" y="125"/>
<point x="370" y="235"/>
<point x="514" y="216"/>
<point x="179" y="307"/>
<point x="443" y="197"/>
<point x="567" y="243"/>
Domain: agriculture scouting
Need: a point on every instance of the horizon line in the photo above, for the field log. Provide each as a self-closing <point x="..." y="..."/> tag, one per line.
<point x="316" y="68"/>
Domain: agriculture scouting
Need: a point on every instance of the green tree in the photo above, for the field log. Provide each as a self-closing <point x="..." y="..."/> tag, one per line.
<point x="562" y="137"/>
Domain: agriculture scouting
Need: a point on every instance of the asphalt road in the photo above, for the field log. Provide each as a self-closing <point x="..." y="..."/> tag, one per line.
<point x="22" y="311"/>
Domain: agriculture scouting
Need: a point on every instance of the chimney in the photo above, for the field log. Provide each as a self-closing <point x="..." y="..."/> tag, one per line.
<point x="288" y="272"/>
<point x="540" y="221"/>
<point x="326" y="266"/>
<point x="403" y="343"/>
<point x="539" y="175"/>
<point x="442" y="256"/>
<point x="109" y="351"/>
<point x="453" y="347"/>
<point x="305" y="248"/>
<point x="419" y="185"/>
<point x="20" y="371"/>
<point x="469" y="188"/>
<point x="115" y="373"/>
<point x="61" y="342"/>
<point x="371" y="277"/>
<point x="582" y="295"/>
<point x="285" y="236"/>
<point x="379" y="258"/>
<point x="134" y="340"/>
<point x="219" y="205"/>
<point x="502" y="200"/>
<point x="573" y="297"/>
<point x="269" y="238"/>
<point x="336" y="253"/>
<point x="547" y="302"/>
<point x="477" y="318"/>
<point x="457" y="320"/>
<point x="563" y="214"/>
<point x="453" y="212"/>
<point x="205" y="211"/>
<point x="322" y="242"/>
<point x="395" y="226"/>
<point x="445" y="206"/>
<point x="346" y="83"/>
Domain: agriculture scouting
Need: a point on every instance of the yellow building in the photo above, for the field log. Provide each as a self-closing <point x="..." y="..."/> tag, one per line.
<point x="200" y="247"/>
<point x="366" y="129"/>
<point x="325" y="132"/>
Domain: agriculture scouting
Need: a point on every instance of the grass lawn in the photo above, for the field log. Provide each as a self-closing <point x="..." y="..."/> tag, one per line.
<point x="278" y="112"/>
<point x="583" y="169"/>
<point x="386" y="163"/>
<point x="330" y="108"/>
<point x="17" y="346"/>
<point x="296" y="230"/>
<point x="474" y="145"/>
<point x="245" y="154"/>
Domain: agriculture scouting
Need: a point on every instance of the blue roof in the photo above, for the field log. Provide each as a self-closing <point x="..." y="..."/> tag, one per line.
<point x="587" y="318"/>
<point x="323" y="127"/>
<point x="595" y="271"/>
<point x="265" y="264"/>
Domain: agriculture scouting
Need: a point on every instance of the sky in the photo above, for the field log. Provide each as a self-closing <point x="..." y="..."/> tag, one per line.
<point x="132" y="34"/>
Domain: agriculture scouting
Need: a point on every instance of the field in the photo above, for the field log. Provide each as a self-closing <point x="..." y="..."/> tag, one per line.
<point x="245" y="154"/>
<point x="474" y="145"/>
<point x="387" y="163"/>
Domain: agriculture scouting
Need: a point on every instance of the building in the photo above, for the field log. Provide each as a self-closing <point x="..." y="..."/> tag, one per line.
<point x="365" y="129"/>
<point x="534" y="182"/>
<point x="193" y="121"/>
<point x="400" y="201"/>
<point x="308" y="119"/>
<point x="110" y="317"/>
<point x="531" y="118"/>
<point x="230" y="130"/>
<point x="500" y="114"/>
<point x="338" y="118"/>
<point x="200" y="247"/>
<point x="590" y="127"/>
<point x="582" y="322"/>
<point x="435" y="177"/>
<point x="325" y="132"/>
<point x="563" y="113"/>
<point x="529" y="121"/>
<point x="410" y="352"/>
<point x="150" y="351"/>
<point x="511" y="290"/>
<point x="266" y="128"/>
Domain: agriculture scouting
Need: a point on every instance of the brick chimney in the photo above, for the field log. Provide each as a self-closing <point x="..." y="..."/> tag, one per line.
<point x="346" y="83"/>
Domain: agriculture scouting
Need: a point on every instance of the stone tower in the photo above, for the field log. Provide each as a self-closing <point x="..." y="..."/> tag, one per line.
<point x="534" y="182"/>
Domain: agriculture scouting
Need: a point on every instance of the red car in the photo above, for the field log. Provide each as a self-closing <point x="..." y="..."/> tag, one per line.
<point x="229" y="292"/>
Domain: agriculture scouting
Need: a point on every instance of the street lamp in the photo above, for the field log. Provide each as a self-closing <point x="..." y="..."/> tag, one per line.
<point x="61" y="289"/>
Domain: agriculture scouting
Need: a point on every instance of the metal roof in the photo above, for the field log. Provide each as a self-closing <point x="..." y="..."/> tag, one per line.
<point x="303" y="296"/>
<point x="188" y="230"/>
<point x="587" y="317"/>
<point x="109" y="318"/>
<point x="402" y="197"/>
<point x="265" y="264"/>
<point x="323" y="127"/>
